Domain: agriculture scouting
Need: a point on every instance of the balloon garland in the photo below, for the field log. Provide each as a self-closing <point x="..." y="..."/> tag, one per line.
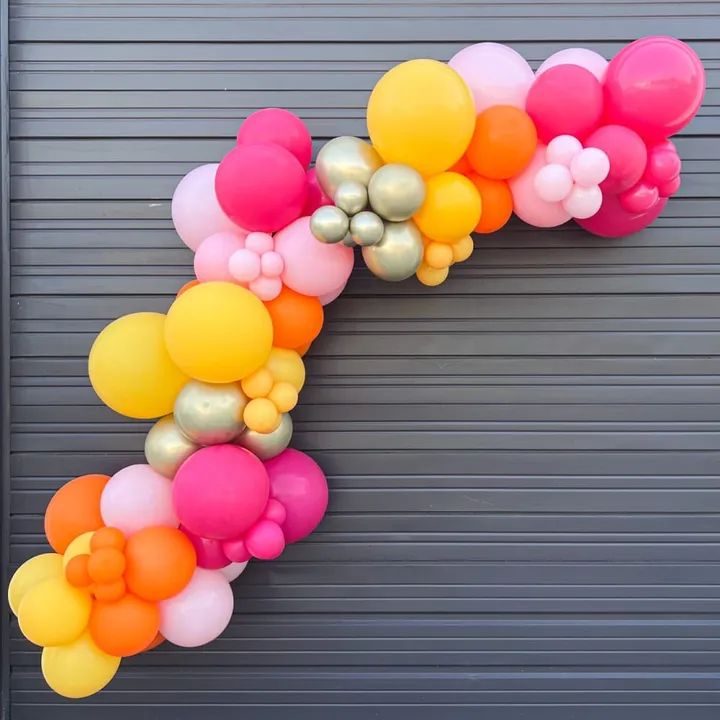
<point x="148" y="554"/>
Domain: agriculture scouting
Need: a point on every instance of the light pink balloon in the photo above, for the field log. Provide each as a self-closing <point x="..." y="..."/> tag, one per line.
<point x="563" y="149"/>
<point x="496" y="75"/>
<point x="195" y="211"/>
<point x="553" y="183"/>
<point x="583" y="202"/>
<point x="244" y="265"/>
<point x="266" y="288"/>
<point x="590" y="167"/>
<point x="137" y="497"/>
<point x="327" y="298"/>
<point x="312" y="268"/>
<point x="212" y="259"/>
<point x="583" y="57"/>
<point x="233" y="571"/>
<point x="527" y="205"/>
<point x="200" y="612"/>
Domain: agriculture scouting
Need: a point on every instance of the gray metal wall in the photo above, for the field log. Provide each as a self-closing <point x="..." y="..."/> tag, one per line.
<point x="524" y="462"/>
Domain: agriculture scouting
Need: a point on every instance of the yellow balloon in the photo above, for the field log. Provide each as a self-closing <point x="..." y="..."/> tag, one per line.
<point x="32" y="573"/>
<point x="287" y="366"/>
<point x="131" y="370"/>
<point x="421" y="114"/>
<point x="451" y="209"/>
<point x="283" y="396"/>
<point x="79" y="546"/>
<point x="78" y="670"/>
<point x="431" y="276"/>
<point x="218" y="332"/>
<point x="438" y="255"/>
<point x="54" y="613"/>
<point x="462" y="249"/>
<point x="262" y="416"/>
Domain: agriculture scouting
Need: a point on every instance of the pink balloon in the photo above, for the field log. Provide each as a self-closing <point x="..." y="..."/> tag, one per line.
<point x="261" y="187"/>
<point x="582" y="57"/>
<point x="565" y="100"/>
<point x="663" y="163"/>
<point x="200" y="612"/>
<point x="196" y="213"/>
<point x="527" y="205"/>
<point x="639" y="199"/>
<point x="244" y="265"/>
<point x="279" y="127"/>
<point x="563" y="149"/>
<point x="654" y="86"/>
<point x="553" y="183"/>
<point x="316" y="196"/>
<point x="136" y="498"/>
<point x="297" y="481"/>
<point x="669" y="188"/>
<point x="265" y="540"/>
<point x="590" y="167"/>
<point x="236" y="550"/>
<point x="209" y="553"/>
<point x="212" y="258"/>
<point x="312" y="268"/>
<point x="496" y="75"/>
<point x="233" y="571"/>
<point x="220" y="491"/>
<point x="627" y="154"/>
<point x="327" y="298"/>
<point x="612" y="221"/>
<point x="583" y="202"/>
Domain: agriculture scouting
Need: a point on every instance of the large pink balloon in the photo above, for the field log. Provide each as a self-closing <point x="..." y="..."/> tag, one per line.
<point x="496" y="75"/>
<point x="200" y="612"/>
<point x="627" y="154"/>
<point x="136" y="498"/>
<point x="281" y="127"/>
<point x="527" y="204"/>
<point x="212" y="259"/>
<point x="297" y="481"/>
<point x="220" y="492"/>
<point x="654" y="86"/>
<point x="311" y="267"/>
<point x="196" y="213"/>
<point x="612" y="221"/>
<point x="582" y="57"/>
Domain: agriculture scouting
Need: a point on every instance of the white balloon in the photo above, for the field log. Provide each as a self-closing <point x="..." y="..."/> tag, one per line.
<point x="590" y="167"/>
<point x="553" y="183"/>
<point x="563" y="149"/>
<point x="583" y="202"/>
<point x="233" y="571"/>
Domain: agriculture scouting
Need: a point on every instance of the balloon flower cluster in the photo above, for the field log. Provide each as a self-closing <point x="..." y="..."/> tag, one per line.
<point x="147" y="555"/>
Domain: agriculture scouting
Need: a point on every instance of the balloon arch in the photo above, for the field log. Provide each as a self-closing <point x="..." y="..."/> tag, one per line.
<point x="148" y="555"/>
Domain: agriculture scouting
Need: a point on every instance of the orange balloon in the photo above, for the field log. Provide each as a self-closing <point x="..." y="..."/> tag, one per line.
<point x="110" y="592"/>
<point x="303" y="349"/>
<point x="187" y="286"/>
<point x="160" y="563"/>
<point x="503" y="143"/>
<point x="125" y="627"/>
<point x="76" y="571"/>
<point x="106" y="565"/>
<point x="107" y="537"/>
<point x="74" y="510"/>
<point x="462" y="166"/>
<point x="297" y="319"/>
<point x="159" y="640"/>
<point x="497" y="203"/>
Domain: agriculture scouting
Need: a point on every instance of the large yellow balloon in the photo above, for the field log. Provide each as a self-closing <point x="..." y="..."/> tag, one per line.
<point x="286" y="366"/>
<point x="218" y="332"/>
<point x="131" y="370"/>
<point x="54" y="613"/>
<point x="79" y="546"/>
<point x="422" y="114"/>
<point x="79" y="669"/>
<point x="451" y="210"/>
<point x="31" y="573"/>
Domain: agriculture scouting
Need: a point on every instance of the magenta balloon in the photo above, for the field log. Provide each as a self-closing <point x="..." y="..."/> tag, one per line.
<point x="265" y="540"/>
<point x="209" y="553"/>
<point x="654" y="86"/>
<point x="639" y="199"/>
<point x="220" y="492"/>
<point x="297" y="481"/>
<point x="261" y="187"/>
<point x="316" y="195"/>
<point x="279" y="127"/>
<point x="612" y="221"/>
<point x="627" y="153"/>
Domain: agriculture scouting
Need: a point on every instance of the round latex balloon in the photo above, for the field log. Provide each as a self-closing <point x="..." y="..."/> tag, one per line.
<point x="209" y="553"/>
<point x="130" y="368"/>
<point x="278" y="127"/>
<point x="187" y="286"/>
<point x="31" y="573"/>
<point x="212" y="259"/>
<point x="627" y="154"/>
<point x="218" y="347"/>
<point x="613" y="221"/>
<point x="297" y="319"/>
<point x="125" y="627"/>
<point x="345" y="159"/>
<point x="316" y="196"/>
<point x="421" y="114"/>
<point x="267" y="445"/>
<point x="79" y="546"/>
<point x="167" y="448"/>
<point x="582" y="57"/>
<point x="497" y="203"/>
<point x="286" y="366"/>
<point x="233" y="571"/>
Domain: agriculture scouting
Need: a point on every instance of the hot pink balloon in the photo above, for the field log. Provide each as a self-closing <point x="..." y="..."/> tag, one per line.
<point x="582" y="57"/>
<point x="196" y="213"/>
<point x="212" y="258"/>
<point x="220" y="491"/>
<point x="297" y="481"/>
<point x="316" y="196"/>
<point x="639" y="199"/>
<point x="261" y="187"/>
<point x="654" y="86"/>
<point x="279" y="127"/>
<point x="565" y="100"/>
<point x="209" y="553"/>
<point x="669" y="188"/>
<point x="312" y="268"/>
<point x="612" y="221"/>
<point x="265" y="540"/>
<point x="663" y="163"/>
<point x="627" y="154"/>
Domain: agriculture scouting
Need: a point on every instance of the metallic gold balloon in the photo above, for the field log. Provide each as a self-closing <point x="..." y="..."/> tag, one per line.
<point x="366" y="229"/>
<point x="166" y="448"/>
<point x="351" y="197"/>
<point x="270" y="444"/>
<point x="344" y="159"/>
<point x="396" y="192"/>
<point x="347" y="241"/>
<point x="398" y="255"/>
<point x="210" y="414"/>
<point x="329" y="224"/>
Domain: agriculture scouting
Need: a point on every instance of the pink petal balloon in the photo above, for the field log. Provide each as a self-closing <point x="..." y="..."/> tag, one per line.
<point x="627" y="154"/>
<point x="612" y="221"/>
<point x="233" y="571"/>
<point x="583" y="202"/>
<point x="639" y="199"/>
<point x="553" y="183"/>
<point x="209" y="553"/>
<point x="590" y="167"/>
<point x="212" y="258"/>
<point x="496" y="75"/>
<point x="279" y="127"/>
<point x="196" y="213"/>
<point x="582" y="57"/>
<point x="563" y="149"/>
<point x="316" y="196"/>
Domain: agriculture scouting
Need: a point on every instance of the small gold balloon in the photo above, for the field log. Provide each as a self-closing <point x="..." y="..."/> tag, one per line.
<point x="396" y="192"/>
<point x="366" y="229"/>
<point x="267" y="445"/>
<point x="167" y="448"/>
<point x="351" y="197"/>
<point x="329" y="224"/>
<point x="346" y="159"/>
<point x="398" y="255"/>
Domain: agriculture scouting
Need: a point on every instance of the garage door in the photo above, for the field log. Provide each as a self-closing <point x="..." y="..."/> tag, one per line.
<point x="524" y="463"/>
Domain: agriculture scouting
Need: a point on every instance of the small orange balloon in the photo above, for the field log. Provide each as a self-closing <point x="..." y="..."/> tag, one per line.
<point x="503" y="143"/>
<point x="125" y="627"/>
<point x="107" y="537"/>
<point x="187" y="286"/>
<point x="497" y="203"/>
<point x="297" y="319"/>
<point x="76" y="571"/>
<point x="109" y="592"/>
<point x="159" y="640"/>
<point x="106" y="565"/>
<point x="462" y="166"/>
<point x="160" y="563"/>
<point x="74" y="510"/>
<point x="303" y="349"/>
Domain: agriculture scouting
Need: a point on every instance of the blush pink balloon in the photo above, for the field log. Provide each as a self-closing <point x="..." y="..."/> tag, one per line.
<point x="209" y="553"/>
<point x="583" y="202"/>
<point x="627" y="154"/>
<point x="212" y="259"/>
<point x="563" y="149"/>
<point x="327" y="298"/>
<point x="612" y="221"/>
<point x="582" y="57"/>
<point x="196" y="213"/>
<point x="312" y="268"/>
<point x="316" y="196"/>
<point x="279" y="127"/>
<point x="553" y="183"/>
<point x="233" y="571"/>
<point x="244" y="265"/>
<point x="297" y="481"/>
<point x="590" y="167"/>
<point x="220" y="491"/>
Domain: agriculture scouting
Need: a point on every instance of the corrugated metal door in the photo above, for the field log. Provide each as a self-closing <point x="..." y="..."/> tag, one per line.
<point x="524" y="463"/>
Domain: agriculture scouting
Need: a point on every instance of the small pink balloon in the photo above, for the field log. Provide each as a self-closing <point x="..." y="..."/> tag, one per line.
<point x="275" y="511"/>
<point x="669" y="188"/>
<point x="553" y="183"/>
<point x="327" y="298"/>
<point x="611" y="221"/>
<point x="590" y="167"/>
<point x="271" y="264"/>
<point x="316" y="197"/>
<point x="582" y="57"/>
<point x="563" y="149"/>
<point x="259" y="242"/>
<point x="583" y="202"/>
<point x="266" y="288"/>
<point x="639" y="199"/>
<point x="663" y="165"/>
<point x="233" y="571"/>
<point x="236" y="550"/>
<point x="626" y="153"/>
<point x="265" y="540"/>
<point x="209" y="553"/>
<point x="213" y="257"/>
<point x="280" y="127"/>
<point x="244" y="265"/>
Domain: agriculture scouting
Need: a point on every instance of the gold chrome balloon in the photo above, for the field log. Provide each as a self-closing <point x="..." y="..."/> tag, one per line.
<point x="396" y="192"/>
<point x="166" y="448"/>
<point x="398" y="255"/>
<point x="346" y="159"/>
<point x="366" y="229"/>
<point x="351" y="197"/>
<point x="267" y="445"/>
<point x="329" y="224"/>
